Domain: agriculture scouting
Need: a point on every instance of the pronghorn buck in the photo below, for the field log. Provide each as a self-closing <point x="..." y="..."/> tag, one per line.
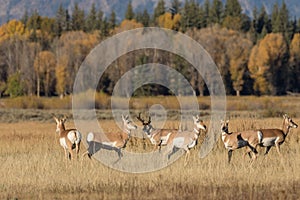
<point x="275" y="137"/>
<point x="186" y="139"/>
<point x="158" y="137"/>
<point x="69" y="139"/>
<point x="112" y="141"/>
<point x="236" y="140"/>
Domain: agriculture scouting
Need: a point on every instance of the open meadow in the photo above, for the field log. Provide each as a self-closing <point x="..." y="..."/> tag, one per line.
<point x="32" y="166"/>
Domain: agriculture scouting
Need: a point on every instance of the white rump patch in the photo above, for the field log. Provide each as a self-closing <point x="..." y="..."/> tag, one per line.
<point x="72" y="136"/>
<point x="90" y="137"/>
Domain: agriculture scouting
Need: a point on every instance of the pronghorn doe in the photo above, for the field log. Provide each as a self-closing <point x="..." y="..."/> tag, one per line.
<point x="186" y="139"/>
<point x="113" y="141"/>
<point x="236" y="140"/>
<point x="69" y="139"/>
<point x="158" y="137"/>
<point x="274" y="137"/>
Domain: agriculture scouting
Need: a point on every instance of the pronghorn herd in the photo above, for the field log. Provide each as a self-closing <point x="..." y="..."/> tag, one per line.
<point x="174" y="138"/>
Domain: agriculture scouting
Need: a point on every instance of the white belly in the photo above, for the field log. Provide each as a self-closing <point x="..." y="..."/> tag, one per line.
<point x="192" y="144"/>
<point x="112" y="144"/>
<point x="178" y="142"/>
<point x="63" y="143"/>
<point x="269" y="141"/>
<point x="164" y="139"/>
<point x="153" y="140"/>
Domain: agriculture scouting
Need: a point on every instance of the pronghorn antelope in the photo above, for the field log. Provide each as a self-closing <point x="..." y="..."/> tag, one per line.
<point x="69" y="139"/>
<point x="158" y="137"/>
<point x="114" y="141"/>
<point x="186" y="139"/>
<point x="236" y="140"/>
<point x="275" y="137"/>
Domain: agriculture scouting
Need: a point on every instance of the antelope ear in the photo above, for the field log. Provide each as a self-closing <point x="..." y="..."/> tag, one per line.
<point x="285" y="116"/>
<point x="194" y="118"/>
<point x="56" y="120"/>
<point x="64" y="119"/>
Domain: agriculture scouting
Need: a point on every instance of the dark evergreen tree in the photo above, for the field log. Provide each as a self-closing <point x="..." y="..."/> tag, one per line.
<point x="34" y="23"/>
<point x="175" y="6"/>
<point x="191" y="15"/>
<point x="112" y="20"/>
<point x="143" y="17"/>
<point x="104" y="31"/>
<point x="25" y="17"/>
<point x="78" y="20"/>
<point x="100" y="15"/>
<point x="129" y="14"/>
<point x="233" y="18"/>
<point x="206" y="13"/>
<point x="275" y="19"/>
<point x="91" y="21"/>
<point x="233" y="8"/>
<point x="261" y="20"/>
<point x="59" y="20"/>
<point x="298" y="26"/>
<point x="216" y="12"/>
<point x="159" y="10"/>
<point x="245" y="23"/>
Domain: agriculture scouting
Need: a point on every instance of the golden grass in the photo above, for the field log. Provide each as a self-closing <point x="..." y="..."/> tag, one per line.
<point x="266" y="106"/>
<point x="32" y="166"/>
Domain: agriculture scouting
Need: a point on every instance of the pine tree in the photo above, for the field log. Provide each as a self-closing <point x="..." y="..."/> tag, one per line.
<point x="59" y="20"/>
<point x="143" y="17"/>
<point x="112" y="20"/>
<point x="176" y="6"/>
<point x="100" y="15"/>
<point x="233" y="8"/>
<point x="233" y="18"/>
<point x="216" y="12"/>
<point x="91" y="22"/>
<point x="159" y="10"/>
<point x="206" y="13"/>
<point x="191" y="16"/>
<point x="275" y="19"/>
<point x="104" y="31"/>
<point x="25" y="17"/>
<point x="77" y="18"/>
<point x="261" y="20"/>
<point x="34" y="24"/>
<point x="129" y="14"/>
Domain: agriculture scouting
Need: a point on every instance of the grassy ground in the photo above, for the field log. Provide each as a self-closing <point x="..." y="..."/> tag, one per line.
<point x="266" y="106"/>
<point x="32" y="167"/>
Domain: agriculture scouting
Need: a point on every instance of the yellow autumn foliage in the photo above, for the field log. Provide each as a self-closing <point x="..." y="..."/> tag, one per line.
<point x="265" y="61"/>
<point x="169" y="21"/>
<point x="295" y="46"/>
<point x="12" y="29"/>
<point x="128" y="25"/>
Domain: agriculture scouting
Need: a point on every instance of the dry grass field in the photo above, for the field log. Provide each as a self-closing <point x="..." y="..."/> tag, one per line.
<point x="32" y="166"/>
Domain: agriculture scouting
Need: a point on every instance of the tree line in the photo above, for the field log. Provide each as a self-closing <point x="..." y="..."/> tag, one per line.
<point x="256" y="56"/>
